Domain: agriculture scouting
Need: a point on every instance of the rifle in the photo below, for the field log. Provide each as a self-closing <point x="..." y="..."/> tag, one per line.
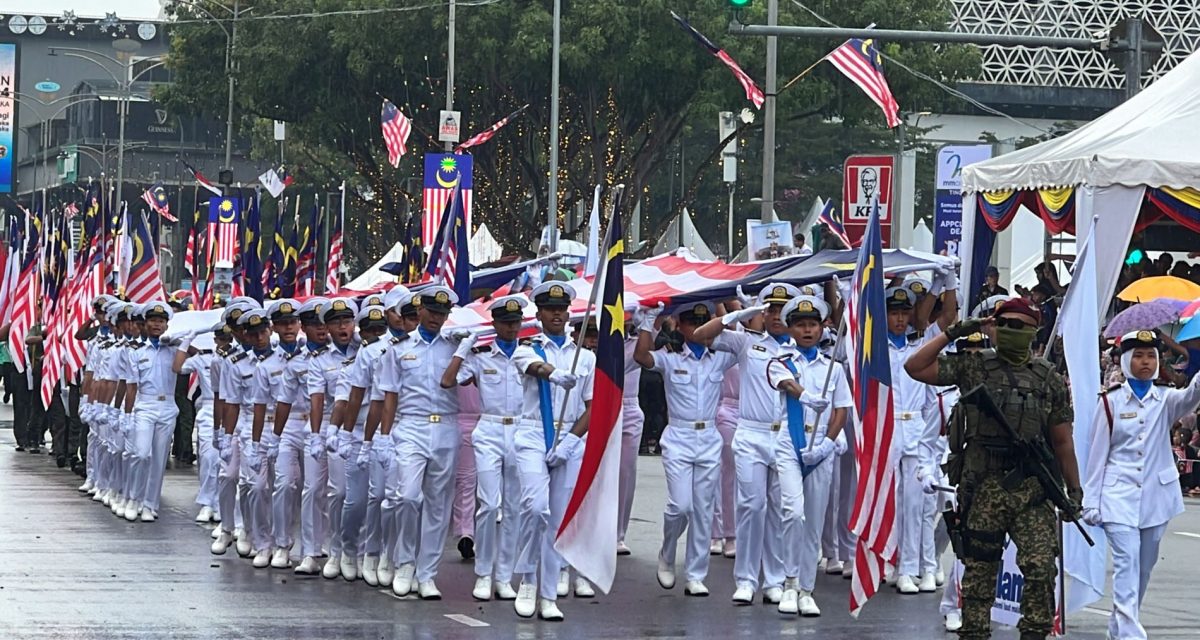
<point x="1035" y="457"/>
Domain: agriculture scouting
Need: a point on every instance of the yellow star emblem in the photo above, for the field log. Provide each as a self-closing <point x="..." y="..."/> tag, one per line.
<point x="616" y="314"/>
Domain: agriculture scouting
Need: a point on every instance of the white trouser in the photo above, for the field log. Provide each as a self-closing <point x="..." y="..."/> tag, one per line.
<point x="759" y="512"/>
<point x="839" y="541"/>
<point x="427" y="453"/>
<point x="632" y="420"/>
<point x="1134" y="552"/>
<point x="952" y="590"/>
<point x="724" y="521"/>
<point x="335" y="498"/>
<point x="123" y="442"/>
<point x="289" y="479"/>
<point x="497" y="492"/>
<point x="372" y="530"/>
<point x="314" y="500"/>
<point x="354" y="498"/>
<point x="227" y="484"/>
<point x="462" y="514"/>
<point x="915" y="518"/>
<point x="802" y="535"/>
<point x="102" y="467"/>
<point x="87" y="412"/>
<point x="692" y="462"/>
<point x="153" y="426"/>
<point x="255" y="486"/>
<point x="208" y="459"/>
<point x="544" y="495"/>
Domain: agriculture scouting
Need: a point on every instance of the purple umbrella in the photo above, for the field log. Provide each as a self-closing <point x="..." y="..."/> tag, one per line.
<point x="1145" y="315"/>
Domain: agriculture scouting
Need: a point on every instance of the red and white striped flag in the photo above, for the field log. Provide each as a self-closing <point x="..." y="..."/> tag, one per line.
<point x="753" y="93"/>
<point x="145" y="282"/>
<point x="396" y="129"/>
<point x="860" y="61"/>
<point x="332" y="275"/>
<point x="443" y="172"/>
<point x="490" y="132"/>
<point x="224" y="215"/>
<point x="24" y="307"/>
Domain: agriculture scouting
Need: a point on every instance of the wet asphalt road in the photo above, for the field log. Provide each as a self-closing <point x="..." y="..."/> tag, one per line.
<point x="72" y="570"/>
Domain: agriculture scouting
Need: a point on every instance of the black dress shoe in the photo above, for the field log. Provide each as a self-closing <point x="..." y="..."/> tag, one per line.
<point x="34" y="450"/>
<point x="61" y="461"/>
<point x="466" y="547"/>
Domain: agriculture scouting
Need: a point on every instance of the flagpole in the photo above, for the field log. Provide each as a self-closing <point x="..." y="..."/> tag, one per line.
<point x="597" y="286"/>
<point x="828" y="377"/>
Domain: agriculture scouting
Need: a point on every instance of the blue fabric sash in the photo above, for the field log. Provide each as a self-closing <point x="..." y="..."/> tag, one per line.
<point x="546" y="400"/>
<point x="795" y="422"/>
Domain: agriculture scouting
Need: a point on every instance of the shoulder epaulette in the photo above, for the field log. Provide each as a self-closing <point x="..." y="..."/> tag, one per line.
<point x="400" y="338"/>
<point x="264" y="356"/>
<point x="238" y="358"/>
<point x="350" y="360"/>
<point x="755" y="332"/>
<point x="528" y="341"/>
<point x="483" y="348"/>
<point x="371" y="340"/>
<point x="1164" y="383"/>
<point x="1111" y="389"/>
<point x="318" y="351"/>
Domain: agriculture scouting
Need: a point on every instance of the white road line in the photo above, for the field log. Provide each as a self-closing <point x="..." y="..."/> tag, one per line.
<point x="1099" y="612"/>
<point x="467" y="620"/>
<point x="1188" y="534"/>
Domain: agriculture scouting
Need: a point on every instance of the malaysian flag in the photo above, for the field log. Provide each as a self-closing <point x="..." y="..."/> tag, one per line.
<point x="250" y="274"/>
<point x="875" y="505"/>
<point x="396" y="128"/>
<point x="223" y="216"/>
<point x="306" y="267"/>
<point x="490" y="132"/>
<point x="449" y="261"/>
<point x="144" y="282"/>
<point x="23" y="299"/>
<point x="201" y="180"/>
<point x="156" y="197"/>
<point x="414" y="255"/>
<point x="332" y="281"/>
<point x="443" y="172"/>
<point x="753" y="93"/>
<point x="831" y="217"/>
<point x="859" y="60"/>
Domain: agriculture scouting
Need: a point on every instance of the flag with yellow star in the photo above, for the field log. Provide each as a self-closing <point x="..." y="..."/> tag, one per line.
<point x="588" y="535"/>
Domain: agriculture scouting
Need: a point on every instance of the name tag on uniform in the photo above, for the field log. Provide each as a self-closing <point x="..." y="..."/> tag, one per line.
<point x="487" y="371"/>
<point x="1131" y="414"/>
<point x="408" y="357"/>
<point x="275" y="373"/>
<point x="757" y="348"/>
<point x="681" y="371"/>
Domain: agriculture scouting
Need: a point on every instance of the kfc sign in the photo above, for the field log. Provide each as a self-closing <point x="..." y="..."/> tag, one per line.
<point x="865" y="178"/>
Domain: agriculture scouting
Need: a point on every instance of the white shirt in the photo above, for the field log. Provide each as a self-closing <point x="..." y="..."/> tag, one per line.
<point x="633" y="372"/>
<point x="692" y="385"/>
<point x="1130" y="475"/>
<point x="560" y="358"/>
<point x="810" y="375"/>
<point x="201" y="364"/>
<point x="908" y="397"/>
<point x="269" y="377"/>
<point x="324" y="370"/>
<point x="412" y="369"/>
<point x="361" y="374"/>
<point x="754" y="351"/>
<point x="151" y="368"/>
<point x="500" y="384"/>
<point x="237" y="381"/>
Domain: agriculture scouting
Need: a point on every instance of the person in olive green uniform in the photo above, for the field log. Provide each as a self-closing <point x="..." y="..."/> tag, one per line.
<point x="998" y="494"/>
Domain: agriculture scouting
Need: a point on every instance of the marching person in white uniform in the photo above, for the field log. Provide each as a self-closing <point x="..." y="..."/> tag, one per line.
<point x="632" y="422"/>
<point x="87" y="400"/>
<point x="491" y="369"/>
<point x="151" y="395"/>
<point x="199" y="362"/>
<point x="124" y="436"/>
<point x="549" y="443"/>
<point x="691" y="445"/>
<point x="1132" y="487"/>
<point x="807" y="449"/>
<point x="759" y="511"/>
<point x="228" y="446"/>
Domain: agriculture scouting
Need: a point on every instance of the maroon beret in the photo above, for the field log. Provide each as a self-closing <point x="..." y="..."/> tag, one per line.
<point x="1023" y="306"/>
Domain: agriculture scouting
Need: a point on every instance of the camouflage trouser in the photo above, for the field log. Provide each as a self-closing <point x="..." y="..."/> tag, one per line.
<point x="1029" y="519"/>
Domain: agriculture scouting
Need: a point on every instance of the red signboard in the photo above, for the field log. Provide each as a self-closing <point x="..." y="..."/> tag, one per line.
<point x="863" y="179"/>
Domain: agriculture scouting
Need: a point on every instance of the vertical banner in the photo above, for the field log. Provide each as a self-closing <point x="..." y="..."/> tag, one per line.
<point x="1010" y="585"/>
<point x="443" y="171"/>
<point x="8" y="115"/>
<point x="947" y="214"/>
<point x="865" y="178"/>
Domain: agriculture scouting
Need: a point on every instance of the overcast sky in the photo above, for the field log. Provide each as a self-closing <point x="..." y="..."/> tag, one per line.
<point x="125" y="9"/>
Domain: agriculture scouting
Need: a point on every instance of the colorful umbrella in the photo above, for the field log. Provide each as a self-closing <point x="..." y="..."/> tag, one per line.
<point x="1147" y="315"/>
<point x="1190" y="310"/>
<point x="1157" y="287"/>
<point x="1190" y="330"/>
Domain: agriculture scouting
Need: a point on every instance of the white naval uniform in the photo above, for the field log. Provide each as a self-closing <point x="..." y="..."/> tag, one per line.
<point x="838" y="541"/>
<point x="805" y="499"/>
<point x="154" y="412"/>
<point x="724" y="522"/>
<point x="239" y="386"/>
<point x="632" y="422"/>
<point x="934" y="451"/>
<point x="1132" y="480"/>
<point x="290" y="464"/>
<point x="208" y="459"/>
<point x="908" y="403"/>
<point x="88" y="406"/>
<point x="759" y="509"/>
<point x="232" y="507"/>
<point x="357" y="515"/>
<point x="498" y="488"/>
<point x="691" y="451"/>
<point x="425" y="438"/>
<point x="325" y="474"/>
<point x="546" y="490"/>
<point x="128" y="439"/>
<point x="99" y="358"/>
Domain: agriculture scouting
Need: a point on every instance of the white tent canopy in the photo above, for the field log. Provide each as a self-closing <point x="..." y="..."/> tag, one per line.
<point x="373" y="276"/>
<point x="1149" y="140"/>
<point x="692" y="240"/>
<point x="483" y="246"/>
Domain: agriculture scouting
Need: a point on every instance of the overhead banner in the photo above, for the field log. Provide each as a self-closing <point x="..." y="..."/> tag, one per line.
<point x="8" y="115"/>
<point x="865" y="178"/>
<point x="947" y="214"/>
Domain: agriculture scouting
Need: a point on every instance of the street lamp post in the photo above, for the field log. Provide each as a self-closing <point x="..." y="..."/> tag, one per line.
<point x="552" y="202"/>
<point x="450" y="70"/>
<point x="234" y="12"/>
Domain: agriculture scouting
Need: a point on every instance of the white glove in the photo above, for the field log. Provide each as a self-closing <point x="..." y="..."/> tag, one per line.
<point x="563" y="379"/>
<point x="364" y="454"/>
<point x="225" y="446"/>
<point x="647" y="317"/>
<point x="345" y="440"/>
<point x="734" y="317"/>
<point x="565" y="451"/>
<point x="813" y="401"/>
<point x="253" y="456"/>
<point x="185" y="340"/>
<point x="314" y="445"/>
<point x="927" y="484"/>
<point x="819" y="451"/>
<point x="127" y="424"/>
<point x="950" y="281"/>
<point x="840" y="444"/>
<point x="329" y="435"/>
<point x="270" y="443"/>
<point x="746" y="300"/>
<point x="1092" y="517"/>
<point x="465" y="345"/>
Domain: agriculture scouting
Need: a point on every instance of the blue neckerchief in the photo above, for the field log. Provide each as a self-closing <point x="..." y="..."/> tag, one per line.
<point x="558" y="340"/>
<point x="795" y="422"/>
<point x="782" y="338"/>
<point x="154" y="342"/>
<point x="1140" y="387"/>
<point x="289" y="347"/>
<point x="396" y="333"/>
<point x="344" y="350"/>
<point x="897" y="341"/>
<point x="313" y="345"/>
<point x="426" y="335"/>
<point x="546" y="399"/>
<point x="263" y="352"/>
<point x="697" y="349"/>
<point x="245" y="346"/>
<point x="809" y="353"/>
<point x="104" y="331"/>
<point x="506" y="347"/>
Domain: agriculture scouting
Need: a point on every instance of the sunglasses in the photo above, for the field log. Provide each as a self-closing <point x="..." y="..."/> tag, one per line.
<point x="1012" y="323"/>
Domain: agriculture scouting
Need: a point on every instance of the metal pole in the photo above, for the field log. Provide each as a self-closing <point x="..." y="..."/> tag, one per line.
<point x="122" y="106"/>
<point x="230" y="44"/>
<point x="896" y="182"/>
<point x="729" y="247"/>
<point x="1135" y="60"/>
<point x="552" y="202"/>
<point x="768" y="175"/>
<point x="450" y="71"/>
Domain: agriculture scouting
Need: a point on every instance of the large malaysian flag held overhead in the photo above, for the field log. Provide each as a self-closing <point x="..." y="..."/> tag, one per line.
<point x="444" y="171"/>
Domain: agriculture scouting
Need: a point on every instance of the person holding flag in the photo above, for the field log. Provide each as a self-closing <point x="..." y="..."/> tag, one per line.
<point x="549" y="443"/>
<point x="691" y="445"/>
<point x="817" y="401"/>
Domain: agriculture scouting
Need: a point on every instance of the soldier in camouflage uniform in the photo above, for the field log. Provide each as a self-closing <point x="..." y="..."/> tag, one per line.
<point x="998" y="496"/>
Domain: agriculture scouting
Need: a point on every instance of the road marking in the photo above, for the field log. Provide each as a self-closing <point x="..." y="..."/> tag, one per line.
<point x="1099" y="612"/>
<point x="467" y="620"/>
<point x="1188" y="534"/>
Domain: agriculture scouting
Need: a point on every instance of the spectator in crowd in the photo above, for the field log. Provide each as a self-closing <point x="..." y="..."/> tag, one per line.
<point x="991" y="286"/>
<point x="1185" y="460"/>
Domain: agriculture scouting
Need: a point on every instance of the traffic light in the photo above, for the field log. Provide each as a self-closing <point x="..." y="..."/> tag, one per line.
<point x="740" y="4"/>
